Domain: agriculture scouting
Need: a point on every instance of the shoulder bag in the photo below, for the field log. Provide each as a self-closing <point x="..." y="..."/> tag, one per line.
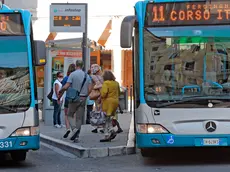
<point x="49" y="96"/>
<point x="73" y="95"/>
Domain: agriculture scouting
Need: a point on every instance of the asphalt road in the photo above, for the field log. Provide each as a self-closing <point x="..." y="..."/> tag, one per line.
<point x="49" y="159"/>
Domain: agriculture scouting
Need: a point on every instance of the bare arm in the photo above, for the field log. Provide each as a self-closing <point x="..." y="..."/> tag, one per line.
<point x="90" y="88"/>
<point x="56" y="88"/>
<point x="63" y="89"/>
<point x="96" y="82"/>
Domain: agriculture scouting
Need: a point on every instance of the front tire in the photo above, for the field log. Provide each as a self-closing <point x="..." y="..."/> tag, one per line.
<point x="18" y="156"/>
<point x="151" y="152"/>
<point x="146" y="152"/>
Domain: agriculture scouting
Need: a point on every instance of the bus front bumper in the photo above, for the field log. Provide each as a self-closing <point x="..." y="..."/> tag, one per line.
<point x="20" y="143"/>
<point x="170" y="140"/>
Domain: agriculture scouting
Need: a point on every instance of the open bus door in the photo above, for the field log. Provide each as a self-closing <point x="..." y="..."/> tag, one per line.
<point x="127" y="40"/>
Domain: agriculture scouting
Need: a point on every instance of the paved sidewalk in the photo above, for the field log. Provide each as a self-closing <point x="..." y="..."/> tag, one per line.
<point x="89" y="144"/>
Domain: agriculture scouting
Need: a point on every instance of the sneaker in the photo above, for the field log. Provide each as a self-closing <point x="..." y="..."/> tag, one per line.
<point x="66" y="134"/>
<point x="76" y="140"/>
<point x="75" y="135"/>
<point x="119" y="130"/>
<point x="57" y="126"/>
<point x="113" y="135"/>
<point x="63" y="126"/>
<point x="94" y="131"/>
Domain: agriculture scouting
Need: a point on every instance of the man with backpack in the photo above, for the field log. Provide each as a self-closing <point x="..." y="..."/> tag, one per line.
<point x="77" y="90"/>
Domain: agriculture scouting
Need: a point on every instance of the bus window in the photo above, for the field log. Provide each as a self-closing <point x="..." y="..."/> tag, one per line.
<point x="180" y="62"/>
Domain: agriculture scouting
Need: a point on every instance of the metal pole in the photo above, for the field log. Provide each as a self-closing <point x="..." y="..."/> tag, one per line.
<point x="84" y="53"/>
<point x="85" y="39"/>
<point x="131" y="99"/>
<point x="127" y="99"/>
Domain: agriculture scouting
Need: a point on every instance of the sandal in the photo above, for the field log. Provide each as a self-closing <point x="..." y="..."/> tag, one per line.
<point x="113" y="135"/>
<point x="106" y="139"/>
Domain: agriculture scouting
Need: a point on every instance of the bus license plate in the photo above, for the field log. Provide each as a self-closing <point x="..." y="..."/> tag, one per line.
<point x="211" y="142"/>
<point x="6" y="144"/>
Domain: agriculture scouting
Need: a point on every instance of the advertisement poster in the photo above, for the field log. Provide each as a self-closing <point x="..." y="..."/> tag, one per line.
<point x="40" y="76"/>
<point x="57" y="66"/>
<point x="70" y="58"/>
<point x="61" y="59"/>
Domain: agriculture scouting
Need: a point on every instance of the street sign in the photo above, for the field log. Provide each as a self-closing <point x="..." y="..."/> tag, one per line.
<point x="68" y="17"/>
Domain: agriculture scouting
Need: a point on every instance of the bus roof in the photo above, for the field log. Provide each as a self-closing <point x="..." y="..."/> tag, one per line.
<point x="165" y="1"/>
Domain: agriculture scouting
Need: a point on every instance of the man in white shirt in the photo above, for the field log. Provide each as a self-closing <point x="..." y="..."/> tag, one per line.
<point x="57" y="103"/>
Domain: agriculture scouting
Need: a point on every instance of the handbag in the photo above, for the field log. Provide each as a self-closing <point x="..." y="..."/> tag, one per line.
<point x="97" y="118"/>
<point x="49" y="96"/>
<point x="95" y="93"/>
<point x="73" y="95"/>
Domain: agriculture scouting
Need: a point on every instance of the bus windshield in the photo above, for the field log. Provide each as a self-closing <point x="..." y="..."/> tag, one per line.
<point x="14" y="75"/>
<point x="179" y="66"/>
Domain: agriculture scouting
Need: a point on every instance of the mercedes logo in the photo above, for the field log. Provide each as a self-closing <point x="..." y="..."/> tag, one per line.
<point x="156" y="112"/>
<point x="210" y="126"/>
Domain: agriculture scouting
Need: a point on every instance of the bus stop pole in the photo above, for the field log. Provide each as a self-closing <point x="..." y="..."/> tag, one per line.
<point x="131" y="99"/>
<point x="85" y="40"/>
<point x="85" y="53"/>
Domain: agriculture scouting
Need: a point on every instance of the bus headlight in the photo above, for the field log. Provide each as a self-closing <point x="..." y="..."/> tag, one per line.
<point x="151" y="129"/>
<point x="28" y="131"/>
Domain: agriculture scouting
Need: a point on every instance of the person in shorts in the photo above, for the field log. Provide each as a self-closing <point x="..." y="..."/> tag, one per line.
<point x="71" y="69"/>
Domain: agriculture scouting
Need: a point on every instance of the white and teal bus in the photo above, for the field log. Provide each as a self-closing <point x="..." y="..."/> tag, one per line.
<point x="181" y="73"/>
<point x="19" y="54"/>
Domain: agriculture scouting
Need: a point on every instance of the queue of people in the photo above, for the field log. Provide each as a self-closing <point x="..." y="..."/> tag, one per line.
<point x="96" y="91"/>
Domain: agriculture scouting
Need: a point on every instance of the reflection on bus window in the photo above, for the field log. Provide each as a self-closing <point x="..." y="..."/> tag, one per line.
<point x="172" y="63"/>
<point x="14" y="75"/>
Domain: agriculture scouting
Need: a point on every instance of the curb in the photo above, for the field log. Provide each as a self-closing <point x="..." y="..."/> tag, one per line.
<point x="82" y="152"/>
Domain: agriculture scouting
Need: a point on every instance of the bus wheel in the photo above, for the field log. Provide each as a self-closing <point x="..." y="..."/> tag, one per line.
<point x="150" y="152"/>
<point x="18" y="156"/>
<point x="146" y="152"/>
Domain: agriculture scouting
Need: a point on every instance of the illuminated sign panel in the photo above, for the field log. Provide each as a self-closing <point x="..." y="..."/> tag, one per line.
<point x="213" y="12"/>
<point x="11" y="24"/>
<point x="68" y="17"/>
<point x="67" y="21"/>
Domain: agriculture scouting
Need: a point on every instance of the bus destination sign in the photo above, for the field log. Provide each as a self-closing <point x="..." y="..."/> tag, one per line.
<point x="215" y="12"/>
<point x="11" y="24"/>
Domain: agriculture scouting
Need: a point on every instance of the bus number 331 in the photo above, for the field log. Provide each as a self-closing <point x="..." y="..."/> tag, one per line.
<point x="6" y="144"/>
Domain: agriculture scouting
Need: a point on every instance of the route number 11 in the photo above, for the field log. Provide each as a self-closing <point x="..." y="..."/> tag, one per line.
<point x="158" y="14"/>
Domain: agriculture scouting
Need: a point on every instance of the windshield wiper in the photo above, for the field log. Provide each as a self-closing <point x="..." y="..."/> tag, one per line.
<point x="9" y="109"/>
<point x="193" y="98"/>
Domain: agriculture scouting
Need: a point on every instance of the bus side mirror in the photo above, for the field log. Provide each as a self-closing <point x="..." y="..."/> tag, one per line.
<point x="127" y="31"/>
<point x="40" y="53"/>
